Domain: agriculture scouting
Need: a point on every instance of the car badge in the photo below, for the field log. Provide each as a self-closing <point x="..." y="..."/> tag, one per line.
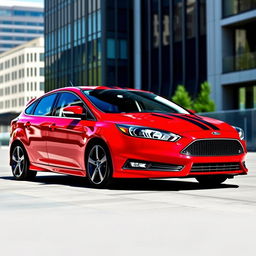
<point x="215" y="133"/>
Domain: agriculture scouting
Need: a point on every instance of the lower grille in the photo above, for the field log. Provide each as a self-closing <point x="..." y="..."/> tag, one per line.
<point x="151" y="166"/>
<point x="215" y="167"/>
<point x="220" y="147"/>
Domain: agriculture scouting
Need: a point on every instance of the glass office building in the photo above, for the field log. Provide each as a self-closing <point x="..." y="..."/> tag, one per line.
<point x="173" y="45"/>
<point x="95" y="42"/>
<point x="87" y="43"/>
<point x="19" y="22"/>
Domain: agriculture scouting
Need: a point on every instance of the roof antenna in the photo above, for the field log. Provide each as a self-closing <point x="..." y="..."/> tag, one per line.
<point x="71" y="83"/>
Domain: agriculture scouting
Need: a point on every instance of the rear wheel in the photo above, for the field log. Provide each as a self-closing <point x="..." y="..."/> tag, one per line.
<point x="20" y="164"/>
<point x="211" y="180"/>
<point x="99" y="166"/>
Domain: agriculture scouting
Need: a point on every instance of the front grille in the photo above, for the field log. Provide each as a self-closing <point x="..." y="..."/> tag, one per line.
<point x="215" y="167"/>
<point x="219" y="147"/>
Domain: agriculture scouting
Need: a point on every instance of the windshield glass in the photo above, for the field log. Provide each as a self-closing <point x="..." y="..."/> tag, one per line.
<point x="128" y="101"/>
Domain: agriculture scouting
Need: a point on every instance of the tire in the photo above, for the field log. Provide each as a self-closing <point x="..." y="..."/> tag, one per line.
<point x="99" y="166"/>
<point x="20" y="164"/>
<point x="211" y="180"/>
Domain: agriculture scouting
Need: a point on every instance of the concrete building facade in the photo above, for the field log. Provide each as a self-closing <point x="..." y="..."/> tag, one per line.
<point x="21" y="75"/>
<point x="231" y="53"/>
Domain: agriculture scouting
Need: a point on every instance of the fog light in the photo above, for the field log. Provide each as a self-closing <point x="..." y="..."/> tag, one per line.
<point x="138" y="165"/>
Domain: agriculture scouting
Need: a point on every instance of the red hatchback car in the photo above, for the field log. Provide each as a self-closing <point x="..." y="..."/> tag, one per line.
<point x="104" y="133"/>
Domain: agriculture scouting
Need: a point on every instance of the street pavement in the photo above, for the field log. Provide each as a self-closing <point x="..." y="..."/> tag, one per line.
<point x="62" y="215"/>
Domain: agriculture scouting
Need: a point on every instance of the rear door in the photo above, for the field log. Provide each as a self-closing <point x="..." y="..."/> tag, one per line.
<point x="67" y="137"/>
<point x="36" y="121"/>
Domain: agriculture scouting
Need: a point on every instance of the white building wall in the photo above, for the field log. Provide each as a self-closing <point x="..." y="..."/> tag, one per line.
<point x="21" y="75"/>
<point x="219" y="44"/>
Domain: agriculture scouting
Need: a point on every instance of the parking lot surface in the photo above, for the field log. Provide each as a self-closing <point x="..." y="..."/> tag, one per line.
<point x="62" y="215"/>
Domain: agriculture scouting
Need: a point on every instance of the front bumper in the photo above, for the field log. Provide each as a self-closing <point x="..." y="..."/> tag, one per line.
<point x="168" y="153"/>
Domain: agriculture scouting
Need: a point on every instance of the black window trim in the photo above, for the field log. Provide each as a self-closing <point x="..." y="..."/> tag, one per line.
<point x="85" y="105"/>
<point x="37" y="101"/>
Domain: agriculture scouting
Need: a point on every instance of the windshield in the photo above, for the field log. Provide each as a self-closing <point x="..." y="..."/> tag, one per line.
<point x="128" y="101"/>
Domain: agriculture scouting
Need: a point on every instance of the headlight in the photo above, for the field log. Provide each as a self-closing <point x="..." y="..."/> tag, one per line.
<point x="147" y="133"/>
<point x="240" y="132"/>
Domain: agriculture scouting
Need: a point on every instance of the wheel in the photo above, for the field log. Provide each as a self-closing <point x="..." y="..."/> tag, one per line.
<point x="99" y="166"/>
<point x="211" y="180"/>
<point x="20" y="164"/>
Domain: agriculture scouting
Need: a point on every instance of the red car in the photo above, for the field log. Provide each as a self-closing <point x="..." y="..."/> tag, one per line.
<point x="104" y="133"/>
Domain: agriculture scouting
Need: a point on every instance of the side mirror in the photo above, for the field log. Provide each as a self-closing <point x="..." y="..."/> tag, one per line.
<point x="74" y="111"/>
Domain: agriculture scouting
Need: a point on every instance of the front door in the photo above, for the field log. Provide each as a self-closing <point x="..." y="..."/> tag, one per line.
<point x="67" y="136"/>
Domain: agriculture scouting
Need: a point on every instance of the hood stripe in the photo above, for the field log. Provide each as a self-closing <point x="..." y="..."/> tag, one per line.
<point x="197" y="123"/>
<point x="159" y="115"/>
<point x="205" y="122"/>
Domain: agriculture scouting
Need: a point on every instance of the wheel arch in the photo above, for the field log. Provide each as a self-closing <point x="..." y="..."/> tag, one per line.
<point x="93" y="142"/>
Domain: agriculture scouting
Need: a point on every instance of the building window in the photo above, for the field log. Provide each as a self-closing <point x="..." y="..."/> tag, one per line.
<point x="41" y="57"/>
<point x="240" y="54"/>
<point x="177" y="22"/>
<point x="247" y="97"/>
<point x="41" y="86"/>
<point x="232" y="7"/>
<point x="191" y="18"/>
<point x="41" y="71"/>
<point x="111" y="49"/>
<point x="123" y="49"/>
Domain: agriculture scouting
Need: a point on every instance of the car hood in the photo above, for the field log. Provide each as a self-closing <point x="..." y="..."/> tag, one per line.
<point x="178" y="123"/>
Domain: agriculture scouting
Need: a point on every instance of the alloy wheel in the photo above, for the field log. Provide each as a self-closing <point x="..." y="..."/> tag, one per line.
<point x="18" y="161"/>
<point x="97" y="165"/>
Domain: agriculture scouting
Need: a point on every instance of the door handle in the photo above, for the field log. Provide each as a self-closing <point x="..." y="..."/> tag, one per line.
<point x="52" y="126"/>
<point x="27" y="124"/>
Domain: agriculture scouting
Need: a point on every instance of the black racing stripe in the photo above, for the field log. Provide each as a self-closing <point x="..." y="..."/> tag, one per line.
<point x="205" y="122"/>
<point x="159" y="115"/>
<point x="197" y="123"/>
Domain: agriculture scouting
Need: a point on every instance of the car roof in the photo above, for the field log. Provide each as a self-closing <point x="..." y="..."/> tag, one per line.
<point x="76" y="88"/>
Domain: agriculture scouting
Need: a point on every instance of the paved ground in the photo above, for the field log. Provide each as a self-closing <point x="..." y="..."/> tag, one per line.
<point x="61" y="215"/>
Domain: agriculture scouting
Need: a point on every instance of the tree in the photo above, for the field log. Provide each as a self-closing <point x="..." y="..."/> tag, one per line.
<point x="203" y="102"/>
<point x="181" y="97"/>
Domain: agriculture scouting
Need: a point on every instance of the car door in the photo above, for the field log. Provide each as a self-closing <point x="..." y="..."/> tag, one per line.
<point x="36" y="121"/>
<point x="67" y="137"/>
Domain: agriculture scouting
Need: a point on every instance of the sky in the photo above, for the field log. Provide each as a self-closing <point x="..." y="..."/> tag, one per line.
<point x="33" y="1"/>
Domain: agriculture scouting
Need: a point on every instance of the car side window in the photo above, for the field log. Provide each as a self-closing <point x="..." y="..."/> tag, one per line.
<point x="45" y="106"/>
<point x="67" y="99"/>
<point x="29" y="110"/>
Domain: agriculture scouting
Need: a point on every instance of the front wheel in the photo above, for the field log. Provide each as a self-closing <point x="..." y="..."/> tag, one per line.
<point x="99" y="166"/>
<point x="211" y="180"/>
<point x="20" y="164"/>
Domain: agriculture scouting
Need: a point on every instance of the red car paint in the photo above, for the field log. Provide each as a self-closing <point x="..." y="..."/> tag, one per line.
<point x="58" y="144"/>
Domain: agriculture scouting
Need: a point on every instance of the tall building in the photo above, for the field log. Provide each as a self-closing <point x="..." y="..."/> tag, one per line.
<point x="19" y="22"/>
<point x="21" y="75"/>
<point x="149" y="44"/>
<point x="88" y="43"/>
<point x="173" y="44"/>
<point x="231" y="54"/>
